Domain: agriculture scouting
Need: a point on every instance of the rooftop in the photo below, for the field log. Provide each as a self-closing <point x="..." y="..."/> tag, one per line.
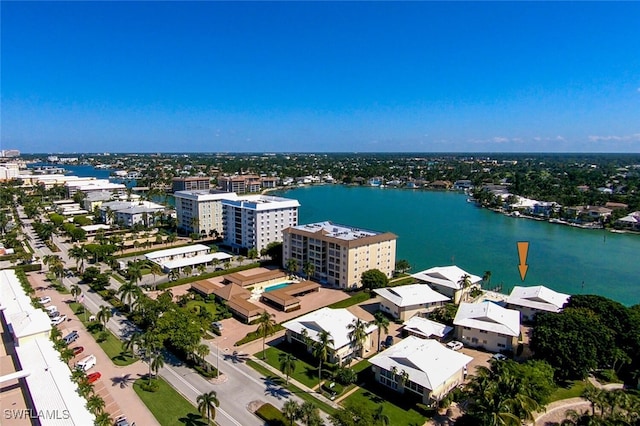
<point x="538" y="297"/>
<point x="488" y="316"/>
<point x="409" y="295"/>
<point x="176" y="251"/>
<point x="426" y="328"/>
<point x="446" y="276"/>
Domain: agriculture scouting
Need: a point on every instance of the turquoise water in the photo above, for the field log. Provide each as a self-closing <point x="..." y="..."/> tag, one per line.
<point x="441" y="228"/>
<point x="275" y="287"/>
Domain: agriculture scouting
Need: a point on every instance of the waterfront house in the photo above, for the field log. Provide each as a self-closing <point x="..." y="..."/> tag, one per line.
<point x="403" y="302"/>
<point x="306" y="329"/>
<point x="531" y="300"/>
<point x="630" y="221"/>
<point x="422" y="367"/>
<point x="448" y="280"/>
<point x="487" y="325"/>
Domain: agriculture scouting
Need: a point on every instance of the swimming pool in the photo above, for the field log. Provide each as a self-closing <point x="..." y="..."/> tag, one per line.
<point x="277" y="286"/>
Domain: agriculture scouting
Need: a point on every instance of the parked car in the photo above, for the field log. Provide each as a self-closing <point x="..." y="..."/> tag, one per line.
<point x="388" y="341"/>
<point x="71" y="337"/>
<point x="499" y="357"/>
<point x="77" y="350"/>
<point x="86" y="363"/>
<point x="217" y="325"/>
<point x="53" y="314"/>
<point x="455" y="345"/>
<point x="93" y="377"/>
<point x="44" y="300"/>
<point x="51" y="309"/>
<point x="122" y="421"/>
<point x="58" y="320"/>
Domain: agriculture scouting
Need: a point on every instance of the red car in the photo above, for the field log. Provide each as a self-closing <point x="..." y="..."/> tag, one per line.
<point x="93" y="377"/>
<point x="77" y="350"/>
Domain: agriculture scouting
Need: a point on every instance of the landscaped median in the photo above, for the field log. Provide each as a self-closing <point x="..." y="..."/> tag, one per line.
<point x="112" y="346"/>
<point x="168" y="406"/>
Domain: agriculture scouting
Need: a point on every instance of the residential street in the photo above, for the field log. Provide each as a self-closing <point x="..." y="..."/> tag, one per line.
<point x="239" y="386"/>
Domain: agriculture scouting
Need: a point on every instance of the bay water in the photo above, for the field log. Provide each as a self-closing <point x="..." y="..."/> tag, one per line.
<point x="442" y="228"/>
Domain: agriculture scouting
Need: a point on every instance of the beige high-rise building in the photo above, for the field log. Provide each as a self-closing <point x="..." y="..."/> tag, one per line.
<point x="339" y="253"/>
<point x="201" y="211"/>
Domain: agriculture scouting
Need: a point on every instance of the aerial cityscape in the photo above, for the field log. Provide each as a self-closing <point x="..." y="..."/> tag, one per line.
<point x="320" y="213"/>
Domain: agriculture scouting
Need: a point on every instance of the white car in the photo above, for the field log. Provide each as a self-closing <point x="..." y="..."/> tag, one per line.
<point x="454" y="345"/>
<point x="58" y="320"/>
<point x="44" y="300"/>
<point x="499" y="357"/>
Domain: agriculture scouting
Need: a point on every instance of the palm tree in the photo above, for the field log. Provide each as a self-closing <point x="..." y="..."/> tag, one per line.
<point x="156" y="362"/>
<point x="464" y="282"/>
<point x="103" y="419"/>
<point x="155" y="270"/>
<point x="381" y="321"/>
<point x="321" y="350"/>
<point x="129" y="294"/>
<point x="66" y="355"/>
<point x="104" y="315"/>
<point x="292" y="266"/>
<point x="80" y="254"/>
<point x="75" y="292"/>
<point x="202" y="351"/>
<point x="310" y="414"/>
<point x="287" y="364"/>
<point x="309" y="269"/>
<point x="240" y="259"/>
<point x="201" y="268"/>
<point x="266" y="327"/>
<point x="78" y="376"/>
<point x="134" y="272"/>
<point x="207" y="403"/>
<point x="486" y="278"/>
<point x="95" y="404"/>
<point x="291" y="410"/>
<point x="357" y="335"/>
<point x="188" y="270"/>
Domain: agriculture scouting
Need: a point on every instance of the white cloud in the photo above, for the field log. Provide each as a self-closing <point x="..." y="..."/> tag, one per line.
<point x="615" y="138"/>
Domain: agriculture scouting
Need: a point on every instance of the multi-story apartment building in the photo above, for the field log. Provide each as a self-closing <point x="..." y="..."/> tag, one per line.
<point x="240" y="184"/>
<point x="253" y="221"/>
<point x="201" y="211"/>
<point x="338" y="253"/>
<point x="192" y="183"/>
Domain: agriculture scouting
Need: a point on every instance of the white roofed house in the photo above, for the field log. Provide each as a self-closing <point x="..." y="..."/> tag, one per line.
<point x="306" y="329"/>
<point x="425" y="328"/>
<point x="532" y="300"/>
<point x="422" y="367"/>
<point x="487" y="325"/>
<point x="403" y="302"/>
<point x="448" y="280"/>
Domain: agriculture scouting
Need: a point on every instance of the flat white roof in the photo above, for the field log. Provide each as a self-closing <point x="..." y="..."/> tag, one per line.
<point x="205" y="195"/>
<point x="409" y="295"/>
<point x="50" y="386"/>
<point x="427" y="362"/>
<point x="334" y="230"/>
<point x="28" y="323"/>
<point x="13" y="299"/>
<point x="90" y="228"/>
<point x="335" y="321"/>
<point x="426" y="327"/>
<point x="538" y="297"/>
<point x="261" y="202"/>
<point x="446" y="276"/>
<point x="176" y="251"/>
<point x="195" y="260"/>
<point x="488" y="316"/>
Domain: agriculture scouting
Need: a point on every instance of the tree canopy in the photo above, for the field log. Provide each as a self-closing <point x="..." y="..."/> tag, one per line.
<point x="373" y="278"/>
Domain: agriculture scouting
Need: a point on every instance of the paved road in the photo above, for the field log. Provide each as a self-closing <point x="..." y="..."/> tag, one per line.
<point x="240" y="386"/>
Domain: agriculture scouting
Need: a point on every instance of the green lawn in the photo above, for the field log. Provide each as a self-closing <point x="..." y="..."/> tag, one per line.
<point x="353" y="300"/>
<point x="571" y="390"/>
<point x="112" y="346"/>
<point x="305" y="373"/>
<point x="293" y="389"/>
<point x="211" y="307"/>
<point x="168" y="406"/>
<point x="398" y="415"/>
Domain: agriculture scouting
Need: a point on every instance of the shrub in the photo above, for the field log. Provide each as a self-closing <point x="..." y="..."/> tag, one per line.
<point x="346" y="376"/>
<point x="102" y="336"/>
<point x="152" y="386"/>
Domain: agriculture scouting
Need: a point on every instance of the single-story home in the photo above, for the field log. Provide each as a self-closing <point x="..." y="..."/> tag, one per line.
<point x="532" y="300"/>
<point x="448" y="281"/>
<point x="287" y="298"/>
<point x="256" y="277"/>
<point x="487" y="325"/>
<point x="405" y="301"/>
<point x="423" y="367"/>
<point x="306" y="329"/>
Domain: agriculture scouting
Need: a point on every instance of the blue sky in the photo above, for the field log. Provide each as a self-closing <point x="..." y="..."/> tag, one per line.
<point x="310" y="77"/>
